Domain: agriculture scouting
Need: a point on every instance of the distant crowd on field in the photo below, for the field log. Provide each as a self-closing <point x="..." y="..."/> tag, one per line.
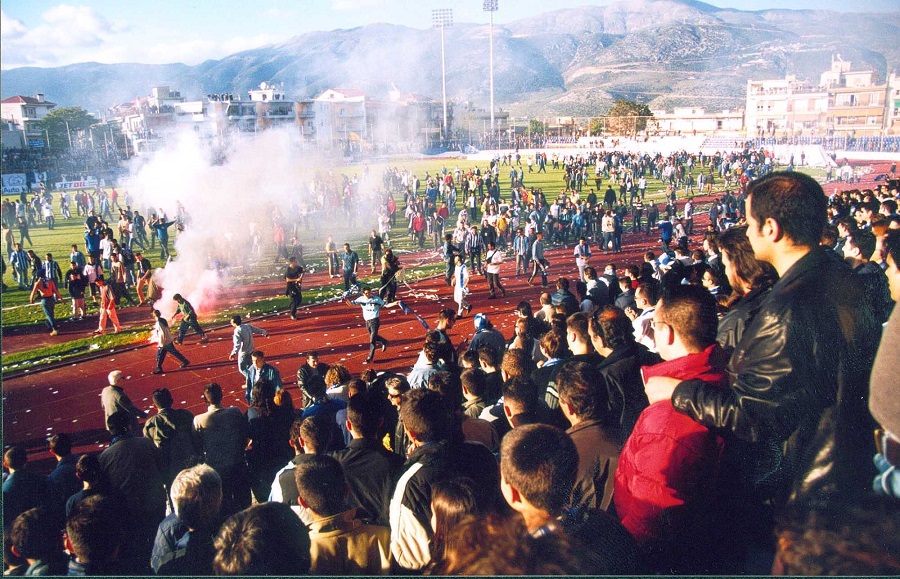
<point x="708" y="412"/>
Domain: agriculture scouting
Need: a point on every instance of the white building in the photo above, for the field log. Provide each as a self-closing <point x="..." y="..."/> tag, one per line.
<point x="22" y="115"/>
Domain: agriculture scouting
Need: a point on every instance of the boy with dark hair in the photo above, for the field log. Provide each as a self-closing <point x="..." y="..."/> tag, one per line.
<point x="585" y="404"/>
<point x="341" y="544"/>
<point x="538" y="467"/>
<point x="35" y="538"/>
<point x="265" y="539"/>
<point x="95" y="535"/>
<point x="370" y="468"/>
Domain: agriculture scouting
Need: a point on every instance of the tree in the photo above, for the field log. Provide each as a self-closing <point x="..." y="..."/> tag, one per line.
<point x="628" y="117"/>
<point x="55" y="123"/>
<point x="536" y="127"/>
<point x="597" y="126"/>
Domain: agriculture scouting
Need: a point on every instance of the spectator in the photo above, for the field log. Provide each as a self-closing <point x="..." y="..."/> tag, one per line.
<point x="131" y="463"/>
<point x="95" y="535"/>
<point x="666" y="480"/>
<point x="563" y="297"/>
<point x="489" y="364"/>
<point x="223" y="434"/>
<point x="35" y="538"/>
<point x="799" y="376"/>
<point x="341" y="544"/>
<point x="858" y="248"/>
<point x="172" y="431"/>
<point x="307" y="437"/>
<point x="613" y="337"/>
<point x="370" y="469"/>
<point x="22" y="489"/>
<point x="114" y="399"/>
<point x="539" y="466"/>
<point x="63" y="479"/>
<point x="451" y="501"/>
<point x="585" y="404"/>
<point x="423" y="369"/>
<point x="183" y="545"/>
<point x="269" y="445"/>
<point x="266" y="539"/>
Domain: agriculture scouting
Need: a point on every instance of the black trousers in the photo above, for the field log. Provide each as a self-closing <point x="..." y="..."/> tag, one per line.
<point x="374" y="339"/>
<point x="168" y="349"/>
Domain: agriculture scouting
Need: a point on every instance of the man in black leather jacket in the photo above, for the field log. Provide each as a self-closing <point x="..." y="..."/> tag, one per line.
<point x="795" y="416"/>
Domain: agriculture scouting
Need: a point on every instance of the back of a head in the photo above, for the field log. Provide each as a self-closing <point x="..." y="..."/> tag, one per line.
<point x="265" y="539"/>
<point x="541" y="461"/>
<point x="364" y="414"/>
<point x="424" y="414"/>
<point x="554" y="344"/>
<point x="795" y="201"/>
<point x="578" y="323"/>
<point x="16" y="457"/>
<point x="473" y="380"/>
<point x="449" y="386"/>
<point x="582" y="386"/>
<point x="517" y="363"/>
<point x="197" y="496"/>
<point x="213" y="394"/>
<point x="95" y="530"/>
<point x="162" y="398"/>
<point x="119" y="423"/>
<point x="562" y="283"/>
<point x="89" y="470"/>
<point x="60" y="444"/>
<point x="316" y="432"/>
<point x="494" y="545"/>
<point x="691" y="311"/>
<point x="35" y="534"/>
<point x="860" y="536"/>
<point x="322" y="485"/>
<point x="613" y="326"/>
<point x="522" y="391"/>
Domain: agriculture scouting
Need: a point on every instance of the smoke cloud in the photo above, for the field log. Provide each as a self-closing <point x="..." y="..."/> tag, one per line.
<point x="224" y="203"/>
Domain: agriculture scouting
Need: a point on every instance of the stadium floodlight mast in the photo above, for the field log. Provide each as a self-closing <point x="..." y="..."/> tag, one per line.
<point x="442" y="18"/>
<point x="491" y="6"/>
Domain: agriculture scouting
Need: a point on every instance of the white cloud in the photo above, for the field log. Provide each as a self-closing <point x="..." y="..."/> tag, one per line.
<point x="10" y="28"/>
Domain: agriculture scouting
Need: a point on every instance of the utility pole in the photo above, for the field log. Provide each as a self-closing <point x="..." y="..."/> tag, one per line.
<point x="442" y="18"/>
<point x="491" y="6"/>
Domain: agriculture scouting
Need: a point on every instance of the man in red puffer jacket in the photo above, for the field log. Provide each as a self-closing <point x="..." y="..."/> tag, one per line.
<point x="667" y="475"/>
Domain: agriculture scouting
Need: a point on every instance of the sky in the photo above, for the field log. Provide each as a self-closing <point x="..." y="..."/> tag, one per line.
<point x="48" y="34"/>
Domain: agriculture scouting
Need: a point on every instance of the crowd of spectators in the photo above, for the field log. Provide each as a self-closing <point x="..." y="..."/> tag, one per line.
<point x="709" y="411"/>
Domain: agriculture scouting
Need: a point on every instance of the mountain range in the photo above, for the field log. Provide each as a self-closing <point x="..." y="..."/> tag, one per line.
<point x="664" y="53"/>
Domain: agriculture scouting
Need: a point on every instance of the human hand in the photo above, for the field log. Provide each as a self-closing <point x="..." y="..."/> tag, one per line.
<point x="660" y="388"/>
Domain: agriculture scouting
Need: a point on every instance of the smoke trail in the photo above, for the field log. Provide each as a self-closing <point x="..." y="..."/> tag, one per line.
<point x="226" y="202"/>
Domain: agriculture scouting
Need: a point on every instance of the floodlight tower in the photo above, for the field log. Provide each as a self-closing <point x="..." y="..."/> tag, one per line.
<point x="443" y="18"/>
<point x="491" y="6"/>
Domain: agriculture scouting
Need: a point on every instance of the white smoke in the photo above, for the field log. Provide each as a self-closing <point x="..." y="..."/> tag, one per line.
<point x="225" y="202"/>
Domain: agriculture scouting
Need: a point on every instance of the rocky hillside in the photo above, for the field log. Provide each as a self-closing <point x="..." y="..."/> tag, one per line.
<point x="567" y="62"/>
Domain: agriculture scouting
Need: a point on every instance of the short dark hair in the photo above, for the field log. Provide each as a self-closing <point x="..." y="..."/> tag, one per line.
<point x="488" y="355"/>
<point x="691" y="311"/>
<point x="649" y="291"/>
<point x="523" y="391"/>
<point x="316" y="431"/>
<point x="517" y="362"/>
<point x="795" y="201"/>
<point x="613" y="326"/>
<point x="864" y="240"/>
<point x="364" y="414"/>
<point x="578" y="323"/>
<point x="213" y="393"/>
<point x="119" y="422"/>
<point x="162" y="398"/>
<point x="88" y="469"/>
<point x="424" y="414"/>
<point x="554" y="343"/>
<point x="60" y="444"/>
<point x="322" y="484"/>
<point x="265" y="539"/>
<point x="541" y="462"/>
<point x="562" y="282"/>
<point x="35" y="534"/>
<point x="95" y="529"/>
<point x="473" y="381"/>
<point x="582" y="386"/>
<point x="449" y="386"/>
